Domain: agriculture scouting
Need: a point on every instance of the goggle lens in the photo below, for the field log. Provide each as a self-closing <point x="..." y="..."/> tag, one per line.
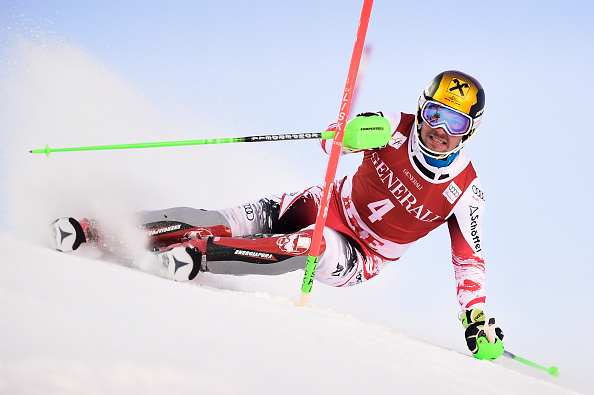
<point x="454" y="123"/>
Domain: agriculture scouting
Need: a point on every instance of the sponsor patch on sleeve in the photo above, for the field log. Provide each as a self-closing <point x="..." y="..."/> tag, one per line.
<point x="452" y="192"/>
<point x="397" y="140"/>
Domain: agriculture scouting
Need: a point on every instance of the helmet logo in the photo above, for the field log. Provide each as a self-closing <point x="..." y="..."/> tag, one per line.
<point x="459" y="88"/>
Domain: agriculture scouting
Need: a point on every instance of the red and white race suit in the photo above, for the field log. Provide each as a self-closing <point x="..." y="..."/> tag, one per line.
<point x="395" y="198"/>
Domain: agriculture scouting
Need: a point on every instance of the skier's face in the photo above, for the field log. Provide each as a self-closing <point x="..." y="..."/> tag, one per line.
<point x="437" y="139"/>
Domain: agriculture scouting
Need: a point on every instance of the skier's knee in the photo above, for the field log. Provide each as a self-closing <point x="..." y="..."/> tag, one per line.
<point x="342" y="263"/>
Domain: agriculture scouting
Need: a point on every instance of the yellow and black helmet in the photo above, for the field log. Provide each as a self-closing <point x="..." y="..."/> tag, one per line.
<point x="460" y="94"/>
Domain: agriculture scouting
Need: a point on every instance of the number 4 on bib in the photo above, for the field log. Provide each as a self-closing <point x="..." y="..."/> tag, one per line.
<point x="379" y="209"/>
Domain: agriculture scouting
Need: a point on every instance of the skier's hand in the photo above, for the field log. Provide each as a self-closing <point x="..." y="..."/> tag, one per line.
<point x="483" y="337"/>
<point x="367" y="130"/>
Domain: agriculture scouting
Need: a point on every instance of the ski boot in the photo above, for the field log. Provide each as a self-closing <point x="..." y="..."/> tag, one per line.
<point x="230" y="255"/>
<point x="68" y="234"/>
<point x="178" y="262"/>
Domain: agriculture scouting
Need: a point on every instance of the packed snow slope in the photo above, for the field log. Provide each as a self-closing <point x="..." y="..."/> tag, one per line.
<point x="71" y="324"/>
<point x="74" y="324"/>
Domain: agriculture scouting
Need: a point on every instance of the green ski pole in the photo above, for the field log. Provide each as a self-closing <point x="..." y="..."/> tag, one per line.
<point x="249" y="139"/>
<point x="553" y="370"/>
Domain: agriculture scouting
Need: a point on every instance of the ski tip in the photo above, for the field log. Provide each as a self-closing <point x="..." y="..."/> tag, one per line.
<point x="554" y="371"/>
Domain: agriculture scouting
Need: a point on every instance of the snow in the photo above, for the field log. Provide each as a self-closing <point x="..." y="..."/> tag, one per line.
<point x="73" y="325"/>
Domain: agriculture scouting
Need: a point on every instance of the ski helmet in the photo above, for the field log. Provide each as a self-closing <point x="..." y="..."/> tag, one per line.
<point x="455" y="101"/>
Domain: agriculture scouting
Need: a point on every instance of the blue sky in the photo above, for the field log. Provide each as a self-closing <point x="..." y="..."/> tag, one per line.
<point x="231" y="68"/>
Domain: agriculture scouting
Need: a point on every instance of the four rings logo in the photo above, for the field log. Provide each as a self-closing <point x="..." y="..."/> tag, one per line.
<point x="478" y="193"/>
<point x="249" y="211"/>
<point x="452" y="192"/>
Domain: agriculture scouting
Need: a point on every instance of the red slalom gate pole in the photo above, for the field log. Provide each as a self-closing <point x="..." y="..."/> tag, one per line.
<point x="361" y="75"/>
<point x="345" y="106"/>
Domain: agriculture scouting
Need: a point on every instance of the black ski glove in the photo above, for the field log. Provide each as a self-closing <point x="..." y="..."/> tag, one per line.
<point x="483" y="337"/>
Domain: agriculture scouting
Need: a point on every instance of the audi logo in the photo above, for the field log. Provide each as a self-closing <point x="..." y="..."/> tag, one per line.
<point x="478" y="192"/>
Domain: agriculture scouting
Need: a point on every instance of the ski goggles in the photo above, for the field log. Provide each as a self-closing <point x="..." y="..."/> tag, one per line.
<point x="437" y="115"/>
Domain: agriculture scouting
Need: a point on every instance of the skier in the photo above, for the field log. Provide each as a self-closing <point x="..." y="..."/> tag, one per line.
<point x="413" y="178"/>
